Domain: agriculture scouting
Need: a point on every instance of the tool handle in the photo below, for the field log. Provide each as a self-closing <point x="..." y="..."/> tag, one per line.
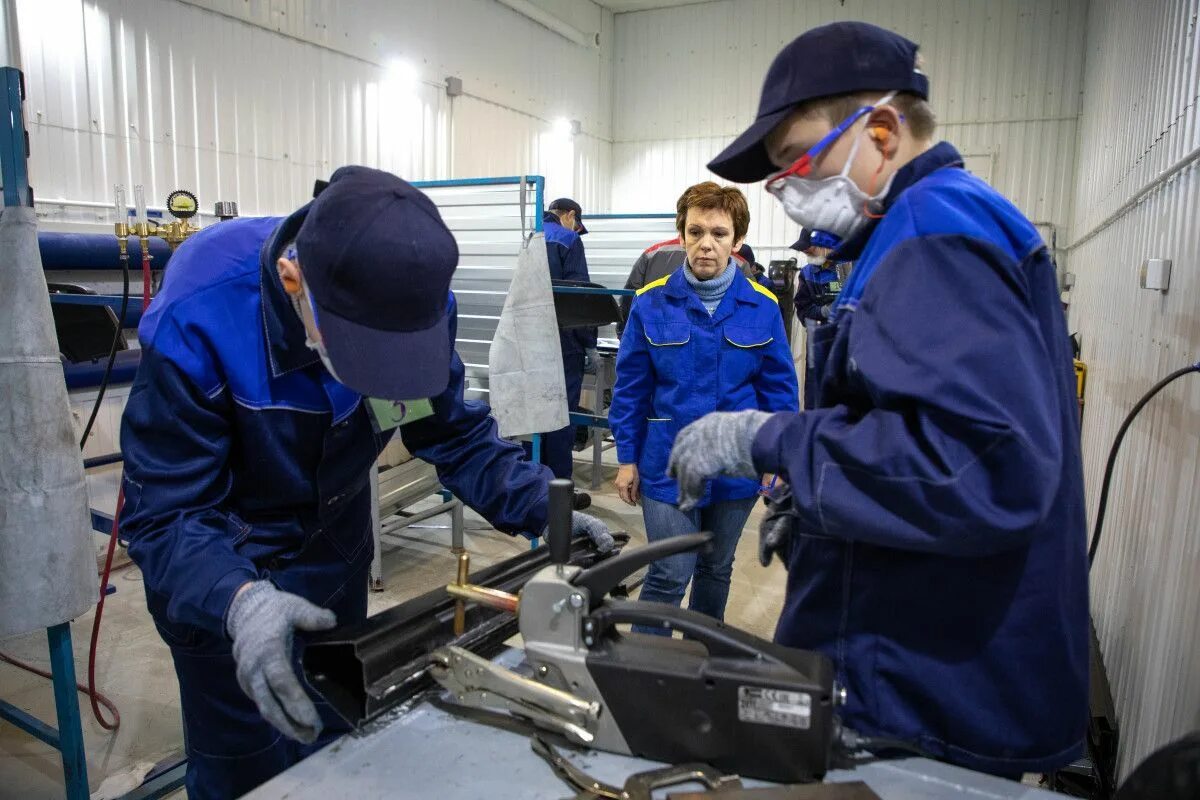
<point x="562" y="501"/>
<point x="603" y="577"/>
<point x="720" y="639"/>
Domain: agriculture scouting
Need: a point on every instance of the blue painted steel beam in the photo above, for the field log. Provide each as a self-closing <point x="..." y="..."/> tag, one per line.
<point x="508" y="179"/>
<point x="66" y="702"/>
<point x="133" y="310"/>
<point x="14" y="171"/>
<point x="539" y="200"/>
<point x="589" y="420"/>
<point x="101" y="522"/>
<point x="160" y="783"/>
<point x="96" y="251"/>
<point x="88" y="375"/>
<point x="29" y="723"/>
<point x="102" y="461"/>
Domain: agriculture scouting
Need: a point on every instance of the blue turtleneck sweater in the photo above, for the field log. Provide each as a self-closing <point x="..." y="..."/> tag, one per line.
<point x="712" y="290"/>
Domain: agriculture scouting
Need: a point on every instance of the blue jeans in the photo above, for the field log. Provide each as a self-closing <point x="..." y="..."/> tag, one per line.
<point x="667" y="579"/>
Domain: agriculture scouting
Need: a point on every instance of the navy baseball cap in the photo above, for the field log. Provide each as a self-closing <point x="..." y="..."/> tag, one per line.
<point x="813" y="238"/>
<point x="567" y="204"/>
<point x="839" y="58"/>
<point x="377" y="260"/>
<point x="746" y="253"/>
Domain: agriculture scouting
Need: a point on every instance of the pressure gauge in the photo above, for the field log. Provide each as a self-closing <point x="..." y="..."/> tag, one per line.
<point x="182" y="204"/>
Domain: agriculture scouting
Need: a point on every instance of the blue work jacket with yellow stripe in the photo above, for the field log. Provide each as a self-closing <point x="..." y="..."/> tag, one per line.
<point x="245" y="459"/>
<point x="677" y="362"/>
<point x="938" y="553"/>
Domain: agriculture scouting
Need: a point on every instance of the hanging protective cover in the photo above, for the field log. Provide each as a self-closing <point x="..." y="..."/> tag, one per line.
<point x="47" y="560"/>
<point x="527" y="389"/>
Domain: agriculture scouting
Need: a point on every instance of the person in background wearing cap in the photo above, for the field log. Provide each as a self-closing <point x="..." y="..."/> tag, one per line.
<point x="563" y="227"/>
<point x="935" y="534"/>
<point x="819" y="282"/>
<point x="753" y="270"/>
<point x="249" y="439"/>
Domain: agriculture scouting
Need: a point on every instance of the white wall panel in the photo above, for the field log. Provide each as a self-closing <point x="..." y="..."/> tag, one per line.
<point x="251" y="101"/>
<point x="1139" y="121"/>
<point x="1005" y="81"/>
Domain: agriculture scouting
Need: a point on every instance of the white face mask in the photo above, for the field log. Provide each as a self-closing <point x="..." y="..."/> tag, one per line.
<point x="834" y="204"/>
<point x="815" y="261"/>
<point x="311" y="343"/>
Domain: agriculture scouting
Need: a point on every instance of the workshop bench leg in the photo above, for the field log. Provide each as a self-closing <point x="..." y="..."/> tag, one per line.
<point x="66" y="703"/>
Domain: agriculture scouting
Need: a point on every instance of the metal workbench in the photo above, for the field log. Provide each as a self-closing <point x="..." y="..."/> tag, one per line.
<point x="421" y="751"/>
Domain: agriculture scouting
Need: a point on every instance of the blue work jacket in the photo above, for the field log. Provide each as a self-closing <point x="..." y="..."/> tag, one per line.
<point x="245" y="459"/>
<point x="564" y="250"/>
<point x="677" y="362"/>
<point x="938" y="553"/>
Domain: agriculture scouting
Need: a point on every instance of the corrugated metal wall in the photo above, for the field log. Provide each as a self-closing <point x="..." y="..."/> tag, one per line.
<point x="251" y="101"/>
<point x="1140" y="121"/>
<point x="1006" y="79"/>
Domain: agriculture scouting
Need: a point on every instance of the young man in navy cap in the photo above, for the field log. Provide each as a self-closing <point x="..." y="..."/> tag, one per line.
<point x="935" y="533"/>
<point x="249" y="438"/>
<point x="563" y="226"/>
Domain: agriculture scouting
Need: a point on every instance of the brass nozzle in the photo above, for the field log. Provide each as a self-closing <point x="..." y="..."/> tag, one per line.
<point x="460" y="605"/>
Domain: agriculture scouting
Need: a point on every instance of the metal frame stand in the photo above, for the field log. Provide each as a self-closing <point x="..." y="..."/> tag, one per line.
<point x="68" y="737"/>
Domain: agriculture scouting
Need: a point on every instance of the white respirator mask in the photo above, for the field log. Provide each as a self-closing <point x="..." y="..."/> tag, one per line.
<point x="833" y="204"/>
<point x="309" y="342"/>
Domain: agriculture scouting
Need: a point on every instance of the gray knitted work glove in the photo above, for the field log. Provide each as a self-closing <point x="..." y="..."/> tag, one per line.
<point x="262" y="621"/>
<point x="594" y="529"/>
<point x="716" y="444"/>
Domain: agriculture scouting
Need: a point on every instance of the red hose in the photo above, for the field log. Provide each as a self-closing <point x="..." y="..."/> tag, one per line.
<point x="145" y="278"/>
<point x="41" y="673"/>
<point x="108" y="558"/>
<point x="93" y="695"/>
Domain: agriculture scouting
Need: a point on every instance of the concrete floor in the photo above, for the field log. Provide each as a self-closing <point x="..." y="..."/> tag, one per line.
<point x="134" y="666"/>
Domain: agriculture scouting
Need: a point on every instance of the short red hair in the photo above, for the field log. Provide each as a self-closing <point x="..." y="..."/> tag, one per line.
<point x="710" y="195"/>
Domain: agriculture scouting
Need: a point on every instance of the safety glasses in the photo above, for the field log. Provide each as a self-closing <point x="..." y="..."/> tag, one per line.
<point x="803" y="165"/>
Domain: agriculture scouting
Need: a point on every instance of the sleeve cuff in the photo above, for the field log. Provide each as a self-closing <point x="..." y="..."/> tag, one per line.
<point x="627" y="453"/>
<point x="765" y="449"/>
<point x="221" y="595"/>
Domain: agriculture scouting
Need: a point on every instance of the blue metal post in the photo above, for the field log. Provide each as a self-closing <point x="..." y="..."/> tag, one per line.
<point x="66" y="701"/>
<point x="537" y="459"/>
<point x="13" y="168"/>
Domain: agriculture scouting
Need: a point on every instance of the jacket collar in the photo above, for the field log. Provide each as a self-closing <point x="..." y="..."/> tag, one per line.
<point x="286" y="348"/>
<point x="942" y="154"/>
<point x="739" y="292"/>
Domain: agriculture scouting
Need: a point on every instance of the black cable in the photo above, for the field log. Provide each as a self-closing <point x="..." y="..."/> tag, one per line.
<point x="112" y="351"/>
<point x="1116" y="446"/>
<point x="851" y="741"/>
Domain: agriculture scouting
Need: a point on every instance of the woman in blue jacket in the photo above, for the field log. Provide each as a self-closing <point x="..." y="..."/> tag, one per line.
<point x="699" y="340"/>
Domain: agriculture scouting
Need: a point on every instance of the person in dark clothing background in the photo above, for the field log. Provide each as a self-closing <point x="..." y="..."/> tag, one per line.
<point x="563" y="227"/>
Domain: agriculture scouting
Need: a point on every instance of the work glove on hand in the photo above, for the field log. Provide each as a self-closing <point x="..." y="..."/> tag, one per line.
<point x="716" y="444"/>
<point x="594" y="529"/>
<point x="262" y="621"/>
<point x="775" y="531"/>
